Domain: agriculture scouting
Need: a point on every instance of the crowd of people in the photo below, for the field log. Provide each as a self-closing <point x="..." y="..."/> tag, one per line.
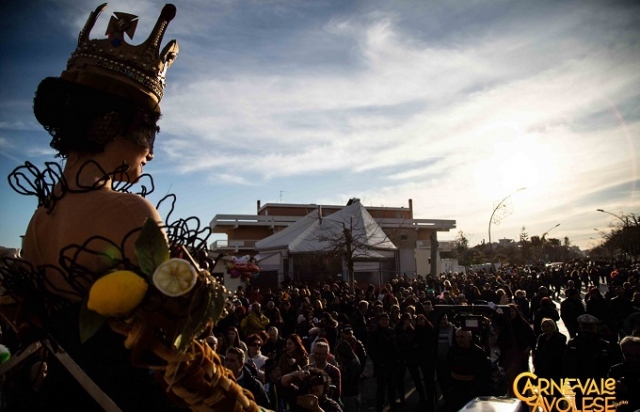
<point x="298" y="348"/>
<point x="307" y="345"/>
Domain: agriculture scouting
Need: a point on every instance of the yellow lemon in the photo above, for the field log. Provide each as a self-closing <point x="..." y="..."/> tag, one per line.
<point x="117" y="293"/>
<point x="175" y="277"/>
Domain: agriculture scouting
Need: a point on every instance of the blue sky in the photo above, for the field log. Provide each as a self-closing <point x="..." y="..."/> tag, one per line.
<point x="452" y="103"/>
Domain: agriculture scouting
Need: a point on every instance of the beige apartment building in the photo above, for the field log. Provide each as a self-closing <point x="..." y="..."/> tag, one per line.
<point x="410" y="252"/>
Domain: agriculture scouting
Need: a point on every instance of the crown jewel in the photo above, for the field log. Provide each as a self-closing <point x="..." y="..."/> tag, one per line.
<point x="113" y="65"/>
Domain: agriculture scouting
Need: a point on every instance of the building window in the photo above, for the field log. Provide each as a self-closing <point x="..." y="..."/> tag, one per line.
<point x="404" y="236"/>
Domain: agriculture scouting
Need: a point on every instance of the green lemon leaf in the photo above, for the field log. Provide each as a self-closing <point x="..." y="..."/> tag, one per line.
<point x="200" y="312"/>
<point x="90" y="322"/>
<point x="151" y="247"/>
<point x="219" y="298"/>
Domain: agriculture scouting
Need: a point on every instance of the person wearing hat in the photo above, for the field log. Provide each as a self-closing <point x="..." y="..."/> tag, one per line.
<point x="587" y="355"/>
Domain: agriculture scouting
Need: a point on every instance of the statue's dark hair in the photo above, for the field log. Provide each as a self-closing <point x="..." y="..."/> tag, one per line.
<point x="83" y="119"/>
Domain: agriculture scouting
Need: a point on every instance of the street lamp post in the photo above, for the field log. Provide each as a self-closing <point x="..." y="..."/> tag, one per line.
<point x="494" y="212"/>
<point x="624" y="222"/>
<point x="628" y="238"/>
<point x="542" y="239"/>
<point x="549" y="230"/>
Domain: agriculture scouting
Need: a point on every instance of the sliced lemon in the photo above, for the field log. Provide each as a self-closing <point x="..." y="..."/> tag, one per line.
<point x="175" y="277"/>
<point x="117" y="293"/>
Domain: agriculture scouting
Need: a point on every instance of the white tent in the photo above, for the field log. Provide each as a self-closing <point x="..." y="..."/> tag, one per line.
<point x="315" y="233"/>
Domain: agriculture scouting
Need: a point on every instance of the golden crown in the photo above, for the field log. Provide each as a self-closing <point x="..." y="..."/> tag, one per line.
<point x="113" y="65"/>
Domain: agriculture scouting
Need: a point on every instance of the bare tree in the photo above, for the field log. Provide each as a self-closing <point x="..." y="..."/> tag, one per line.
<point x="357" y="238"/>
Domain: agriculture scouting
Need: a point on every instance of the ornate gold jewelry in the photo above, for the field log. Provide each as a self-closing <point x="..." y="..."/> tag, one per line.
<point x="113" y="65"/>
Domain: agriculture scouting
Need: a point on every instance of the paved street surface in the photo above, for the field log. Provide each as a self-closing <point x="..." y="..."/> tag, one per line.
<point x="368" y="385"/>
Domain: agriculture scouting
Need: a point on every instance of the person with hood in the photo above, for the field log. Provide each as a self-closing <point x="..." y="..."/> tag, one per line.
<point x="255" y="322"/>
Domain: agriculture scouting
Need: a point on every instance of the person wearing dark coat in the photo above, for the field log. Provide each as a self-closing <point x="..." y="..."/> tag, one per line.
<point x="469" y="371"/>
<point x="426" y="351"/>
<point x="547" y="310"/>
<point x="535" y="300"/>
<point x="587" y="355"/>
<point x="358" y="321"/>
<point x="407" y="340"/>
<point x="357" y="346"/>
<point x="383" y="351"/>
<point x="570" y="309"/>
<point x="598" y="306"/>
<point x="350" y="371"/>
<point x="621" y="307"/>
<point x="549" y="351"/>
<point x="234" y="361"/>
<point x="627" y="375"/>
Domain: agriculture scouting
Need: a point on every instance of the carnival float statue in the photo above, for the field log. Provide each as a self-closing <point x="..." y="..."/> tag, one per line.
<point x="118" y="295"/>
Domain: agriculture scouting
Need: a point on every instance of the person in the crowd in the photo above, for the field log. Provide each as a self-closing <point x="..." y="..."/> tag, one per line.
<point x="272" y="375"/>
<point x="598" y="307"/>
<point x="319" y="357"/>
<point x="621" y="307"/>
<point x="627" y="375"/>
<point x="212" y="341"/>
<point x="571" y="308"/>
<point x="515" y="340"/>
<point x="542" y="292"/>
<point x="295" y="355"/>
<point x="587" y="355"/>
<point x="429" y="311"/>
<point x="522" y="302"/>
<point x="255" y="321"/>
<point x="383" y="351"/>
<point x="233" y="340"/>
<point x="358" y="321"/>
<point x="468" y="369"/>
<point x="307" y="390"/>
<point x="547" y="310"/>
<point x="255" y="357"/>
<point x="350" y="372"/>
<point x="234" y="360"/>
<point x="445" y="340"/>
<point x="328" y="328"/>
<point x="426" y="351"/>
<point x="348" y="336"/>
<point x="274" y="345"/>
<point x="394" y="315"/>
<point x="549" y="351"/>
<point x="407" y="343"/>
<point x="274" y="314"/>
